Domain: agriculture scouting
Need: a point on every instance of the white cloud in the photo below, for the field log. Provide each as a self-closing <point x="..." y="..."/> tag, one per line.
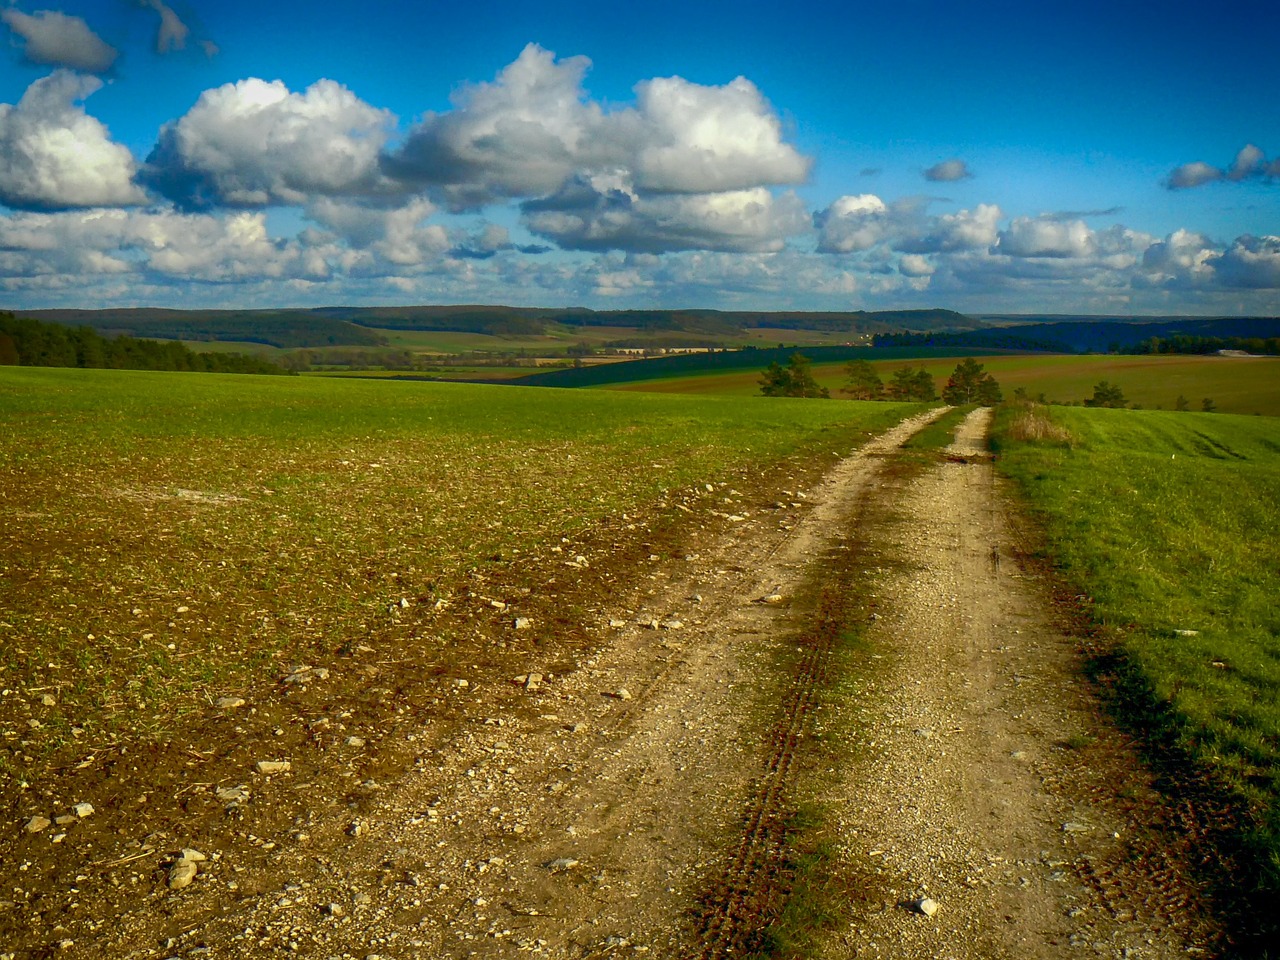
<point x="1181" y="258"/>
<point x="948" y="171"/>
<point x="1047" y="237"/>
<point x="1250" y="263"/>
<point x="915" y="265"/>
<point x="522" y="135"/>
<point x="1192" y="175"/>
<point x="974" y="229"/>
<point x="699" y="139"/>
<point x="1250" y="164"/>
<point x="534" y="128"/>
<point x="852" y="223"/>
<point x="607" y="214"/>
<point x="179" y="247"/>
<point x="61" y="40"/>
<point x="255" y="143"/>
<point x="398" y="235"/>
<point x="55" y="156"/>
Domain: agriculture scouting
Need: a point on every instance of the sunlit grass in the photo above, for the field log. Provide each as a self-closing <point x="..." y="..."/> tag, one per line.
<point x="1170" y="523"/>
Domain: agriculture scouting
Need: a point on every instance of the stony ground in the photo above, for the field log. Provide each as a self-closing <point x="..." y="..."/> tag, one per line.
<point x="635" y="791"/>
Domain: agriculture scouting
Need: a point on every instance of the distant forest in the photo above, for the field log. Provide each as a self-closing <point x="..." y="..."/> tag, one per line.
<point x="30" y="343"/>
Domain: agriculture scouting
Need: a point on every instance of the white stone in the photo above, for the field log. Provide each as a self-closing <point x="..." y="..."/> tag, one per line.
<point x="181" y="874"/>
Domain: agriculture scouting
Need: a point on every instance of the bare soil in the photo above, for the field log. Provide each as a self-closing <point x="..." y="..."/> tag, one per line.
<point x="622" y="773"/>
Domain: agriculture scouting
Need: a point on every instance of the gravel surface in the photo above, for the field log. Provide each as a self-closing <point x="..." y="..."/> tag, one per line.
<point x="629" y="799"/>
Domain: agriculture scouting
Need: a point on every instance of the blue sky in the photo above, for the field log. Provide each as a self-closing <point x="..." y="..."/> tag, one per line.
<point x="996" y="157"/>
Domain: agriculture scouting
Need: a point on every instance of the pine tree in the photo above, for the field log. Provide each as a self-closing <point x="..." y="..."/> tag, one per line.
<point x="969" y="383"/>
<point x="861" y="381"/>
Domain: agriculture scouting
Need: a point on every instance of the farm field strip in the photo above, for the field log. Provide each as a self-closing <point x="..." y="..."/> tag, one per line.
<point x="1170" y="524"/>
<point x="1236" y="384"/>
<point x="175" y="536"/>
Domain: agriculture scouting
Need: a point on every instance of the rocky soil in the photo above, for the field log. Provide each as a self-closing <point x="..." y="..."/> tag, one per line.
<point x="634" y="791"/>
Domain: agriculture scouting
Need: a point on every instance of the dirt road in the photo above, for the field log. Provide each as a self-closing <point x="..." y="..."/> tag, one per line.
<point x="642" y="799"/>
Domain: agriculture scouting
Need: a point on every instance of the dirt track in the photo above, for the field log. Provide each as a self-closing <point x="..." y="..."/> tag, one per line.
<point x="638" y="802"/>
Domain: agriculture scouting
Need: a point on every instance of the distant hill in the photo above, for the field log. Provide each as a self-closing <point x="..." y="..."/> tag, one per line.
<point x="277" y="328"/>
<point x="359" y="326"/>
<point x="1097" y="334"/>
<point x="356" y="326"/>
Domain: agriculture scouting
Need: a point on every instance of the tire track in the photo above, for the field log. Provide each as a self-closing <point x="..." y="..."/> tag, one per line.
<point x="754" y="882"/>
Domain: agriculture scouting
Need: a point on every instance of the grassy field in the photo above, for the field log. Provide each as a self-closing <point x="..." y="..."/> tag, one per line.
<point x="1237" y="385"/>
<point x="1171" y="524"/>
<point x="167" y="535"/>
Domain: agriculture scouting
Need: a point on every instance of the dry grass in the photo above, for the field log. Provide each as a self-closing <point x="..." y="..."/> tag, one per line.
<point x="1031" y="424"/>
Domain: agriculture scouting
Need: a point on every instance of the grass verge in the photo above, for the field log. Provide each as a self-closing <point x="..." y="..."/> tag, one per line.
<point x="1166" y="526"/>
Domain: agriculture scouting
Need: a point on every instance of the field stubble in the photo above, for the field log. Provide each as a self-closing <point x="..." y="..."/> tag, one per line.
<point x="180" y="542"/>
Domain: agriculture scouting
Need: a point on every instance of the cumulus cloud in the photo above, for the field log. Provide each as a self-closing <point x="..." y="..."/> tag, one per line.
<point x="699" y="139"/>
<point x="397" y="234"/>
<point x="974" y="229"/>
<point x="1047" y="237"/>
<point x="1182" y="253"/>
<point x="522" y="135"/>
<point x="1250" y="163"/>
<point x="1250" y="263"/>
<point x="533" y="129"/>
<point x="61" y="40"/>
<point x="948" y="171"/>
<point x="915" y="265"/>
<point x="852" y="223"/>
<point x="254" y="143"/>
<point x="54" y="156"/>
<point x="608" y="214"/>
<point x="865" y="222"/>
<point x="1192" y="175"/>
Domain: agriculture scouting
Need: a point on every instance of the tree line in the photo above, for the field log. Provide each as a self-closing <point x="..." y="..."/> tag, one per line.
<point x="968" y="383"/>
<point x="1188" y="343"/>
<point x="33" y="343"/>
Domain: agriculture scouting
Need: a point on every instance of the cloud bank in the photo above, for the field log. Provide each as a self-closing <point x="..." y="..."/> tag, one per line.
<point x="529" y="190"/>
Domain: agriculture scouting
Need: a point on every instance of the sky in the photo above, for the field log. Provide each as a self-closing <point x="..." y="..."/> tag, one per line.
<point x="996" y="157"/>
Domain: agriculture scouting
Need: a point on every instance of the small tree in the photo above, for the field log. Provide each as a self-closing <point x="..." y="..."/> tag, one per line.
<point x="1106" y="395"/>
<point x="861" y="381"/>
<point x="1182" y="404"/>
<point x="1207" y="405"/>
<point x="794" y="380"/>
<point x="911" y="384"/>
<point x="968" y="383"/>
<point x="924" y="388"/>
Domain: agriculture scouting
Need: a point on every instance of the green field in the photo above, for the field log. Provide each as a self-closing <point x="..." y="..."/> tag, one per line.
<point x="1170" y="523"/>
<point x="167" y="535"/>
<point x="1237" y="385"/>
